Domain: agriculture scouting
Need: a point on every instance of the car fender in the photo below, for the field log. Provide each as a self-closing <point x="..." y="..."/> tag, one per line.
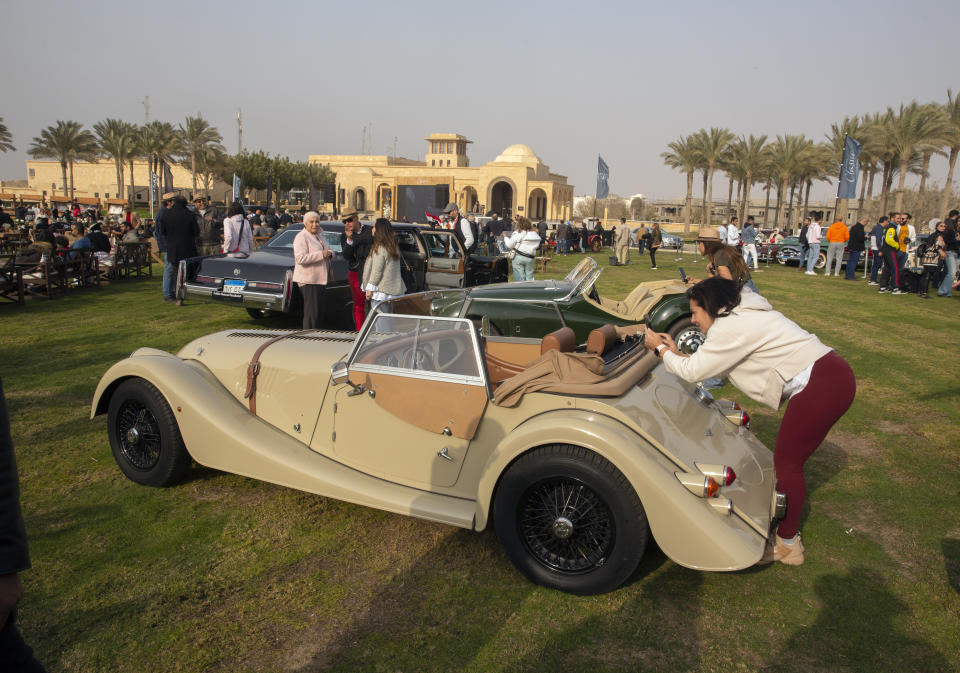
<point x="687" y="528"/>
<point x="667" y="311"/>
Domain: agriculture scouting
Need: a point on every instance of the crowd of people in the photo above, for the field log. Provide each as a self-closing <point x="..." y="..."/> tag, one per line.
<point x="901" y="260"/>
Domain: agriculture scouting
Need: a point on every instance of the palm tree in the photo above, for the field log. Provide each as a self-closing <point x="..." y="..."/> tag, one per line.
<point x="198" y="136"/>
<point x="914" y="129"/>
<point x="159" y="142"/>
<point x="66" y="142"/>
<point x="751" y="155"/>
<point x="118" y="140"/>
<point x="683" y="156"/>
<point x="712" y="146"/>
<point x="6" y="140"/>
<point x="952" y="113"/>
<point x="213" y="161"/>
<point x="787" y="156"/>
<point x="936" y="145"/>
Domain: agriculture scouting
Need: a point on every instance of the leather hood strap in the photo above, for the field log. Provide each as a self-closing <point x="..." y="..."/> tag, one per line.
<point x="253" y="369"/>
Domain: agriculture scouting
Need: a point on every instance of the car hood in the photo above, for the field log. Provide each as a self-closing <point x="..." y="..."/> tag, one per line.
<point x="298" y="357"/>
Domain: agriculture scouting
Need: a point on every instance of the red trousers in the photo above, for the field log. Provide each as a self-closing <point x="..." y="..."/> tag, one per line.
<point x="809" y="416"/>
<point x="359" y="299"/>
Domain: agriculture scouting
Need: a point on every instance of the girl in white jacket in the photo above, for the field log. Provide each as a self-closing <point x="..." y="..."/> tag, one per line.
<point x="772" y="359"/>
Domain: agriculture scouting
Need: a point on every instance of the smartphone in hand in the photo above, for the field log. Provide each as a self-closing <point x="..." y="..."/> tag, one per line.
<point x="683" y="274"/>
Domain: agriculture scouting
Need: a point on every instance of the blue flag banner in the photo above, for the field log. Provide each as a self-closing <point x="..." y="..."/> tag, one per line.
<point x="236" y="187"/>
<point x="153" y="184"/>
<point x="849" y="169"/>
<point x="603" y="175"/>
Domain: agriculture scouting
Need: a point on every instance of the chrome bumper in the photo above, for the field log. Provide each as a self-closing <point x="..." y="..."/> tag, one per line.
<point x="248" y="299"/>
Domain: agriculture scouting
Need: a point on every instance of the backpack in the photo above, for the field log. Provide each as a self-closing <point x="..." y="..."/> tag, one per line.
<point x="803" y="236"/>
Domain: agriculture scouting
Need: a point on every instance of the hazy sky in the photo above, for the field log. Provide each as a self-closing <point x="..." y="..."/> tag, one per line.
<point x="570" y="80"/>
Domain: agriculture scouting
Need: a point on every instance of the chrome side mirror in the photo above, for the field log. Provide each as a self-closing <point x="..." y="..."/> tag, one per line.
<point x="339" y="372"/>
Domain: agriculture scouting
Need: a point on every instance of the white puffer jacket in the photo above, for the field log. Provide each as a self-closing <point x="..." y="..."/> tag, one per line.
<point x="758" y="348"/>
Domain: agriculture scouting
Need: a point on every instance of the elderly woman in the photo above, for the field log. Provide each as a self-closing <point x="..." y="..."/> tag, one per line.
<point x="237" y="232"/>
<point x="773" y="360"/>
<point x="524" y="242"/>
<point x="381" y="272"/>
<point x="311" y="270"/>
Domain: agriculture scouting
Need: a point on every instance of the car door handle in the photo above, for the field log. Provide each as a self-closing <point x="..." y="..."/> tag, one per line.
<point x="445" y="454"/>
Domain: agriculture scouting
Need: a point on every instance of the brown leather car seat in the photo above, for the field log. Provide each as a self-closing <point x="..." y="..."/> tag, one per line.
<point x="602" y="340"/>
<point x="563" y="340"/>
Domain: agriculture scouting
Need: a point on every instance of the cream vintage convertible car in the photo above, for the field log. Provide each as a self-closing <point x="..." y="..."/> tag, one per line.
<point x="577" y="455"/>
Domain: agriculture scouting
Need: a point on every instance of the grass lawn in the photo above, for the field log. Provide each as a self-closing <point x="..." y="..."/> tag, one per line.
<point x="224" y="573"/>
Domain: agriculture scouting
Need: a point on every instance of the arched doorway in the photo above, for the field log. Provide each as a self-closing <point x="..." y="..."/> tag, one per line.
<point x="469" y="200"/>
<point x="360" y="200"/>
<point x="501" y="199"/>
<point x="385" y="200"/>
<point x="537" y="206"/>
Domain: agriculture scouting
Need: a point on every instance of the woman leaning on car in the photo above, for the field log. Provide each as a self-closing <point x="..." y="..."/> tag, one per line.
<point x="311" y="268"/>
<point x="772" y="360"/>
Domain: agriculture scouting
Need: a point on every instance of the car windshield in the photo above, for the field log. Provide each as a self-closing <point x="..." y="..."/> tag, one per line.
<point x="582" y="277"/>
<point x="285" y="239"/>
<point x="432" y="303"/>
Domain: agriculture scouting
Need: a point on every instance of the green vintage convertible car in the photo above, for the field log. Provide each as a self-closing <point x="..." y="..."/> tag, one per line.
<point x="534" y="308"/>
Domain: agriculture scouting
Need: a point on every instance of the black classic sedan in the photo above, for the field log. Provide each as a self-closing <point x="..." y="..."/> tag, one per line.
<point x="262" y="282"/>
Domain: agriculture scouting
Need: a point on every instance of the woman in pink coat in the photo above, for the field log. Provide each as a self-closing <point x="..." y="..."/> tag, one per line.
<point x="311" y="257"/>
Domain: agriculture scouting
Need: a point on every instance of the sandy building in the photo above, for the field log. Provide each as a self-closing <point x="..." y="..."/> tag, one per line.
<point x="516" y="182"/>
<point x="98" y="179"/>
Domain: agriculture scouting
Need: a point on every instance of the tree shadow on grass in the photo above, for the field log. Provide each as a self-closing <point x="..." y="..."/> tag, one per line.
<point x="951" y="561"/>
<point x="857" y="630"/>
<point x="427" y="616"/>
<point x="659" y="622"/>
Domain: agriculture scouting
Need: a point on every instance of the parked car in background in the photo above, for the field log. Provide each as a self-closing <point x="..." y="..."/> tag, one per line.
<point x="420" y="415"/>
<point x="262" y="282"/>
<point x="533" y="308"/>
<point x="790" y="249"/>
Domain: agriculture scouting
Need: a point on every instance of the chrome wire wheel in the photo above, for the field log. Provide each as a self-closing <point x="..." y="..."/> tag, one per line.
<point x="566" y="525"/>
<point x="138" y="434"/>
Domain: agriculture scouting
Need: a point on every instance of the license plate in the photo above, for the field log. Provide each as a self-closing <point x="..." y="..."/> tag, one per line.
<point x="231" y="286"/>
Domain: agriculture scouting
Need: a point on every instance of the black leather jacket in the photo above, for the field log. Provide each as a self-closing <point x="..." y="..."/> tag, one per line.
<point x="14" y="556"/>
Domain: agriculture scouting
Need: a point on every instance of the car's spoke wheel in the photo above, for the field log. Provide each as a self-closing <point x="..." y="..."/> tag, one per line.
<point x="686" y="335"/>
<point x="138" y="434"/>
<point x="144" y="435"/>
<point x="821" y="260"/>
<point x="568" y="519"/>
<point x="566" y="525"/>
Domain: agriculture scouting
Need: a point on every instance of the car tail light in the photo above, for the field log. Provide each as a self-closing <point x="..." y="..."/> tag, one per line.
<point x="723" y="474"/>
<point x="745" y="419"/>
<point x="702" y="486"/>
<point x="266" y="286"/>
<point x="206" y="279"/>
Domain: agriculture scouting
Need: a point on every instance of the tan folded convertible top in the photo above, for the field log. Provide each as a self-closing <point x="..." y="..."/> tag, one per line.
<point x="575" y="374"/>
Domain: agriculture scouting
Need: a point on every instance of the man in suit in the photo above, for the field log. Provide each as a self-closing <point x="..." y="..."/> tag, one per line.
<point x="181" y="231"/>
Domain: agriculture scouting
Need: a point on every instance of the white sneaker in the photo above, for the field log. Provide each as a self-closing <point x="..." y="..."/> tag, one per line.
<point x="873" y="283"/>
<point x="810" y="273"/>
<point x="653" y="268"/>
<point x="899" y="291"/>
